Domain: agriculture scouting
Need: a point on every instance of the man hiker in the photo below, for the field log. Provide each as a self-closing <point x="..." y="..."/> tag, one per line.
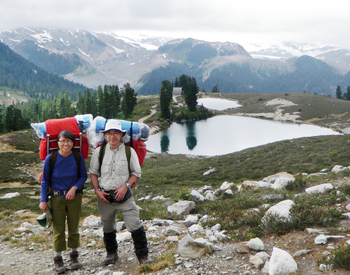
<point x="119" y="168"/>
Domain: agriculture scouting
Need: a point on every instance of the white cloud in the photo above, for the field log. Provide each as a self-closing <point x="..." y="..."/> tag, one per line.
<point x="306" y="21"/>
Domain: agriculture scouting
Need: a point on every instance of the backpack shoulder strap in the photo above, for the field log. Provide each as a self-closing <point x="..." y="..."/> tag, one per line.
<point x="77" y="158"/>
<point x="101" y="155"/>
<point x="52" y="161"/>
<point x="128" y="155"/>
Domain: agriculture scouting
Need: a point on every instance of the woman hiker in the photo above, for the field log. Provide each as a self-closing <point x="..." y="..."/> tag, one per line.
<point x="64" y="175"/>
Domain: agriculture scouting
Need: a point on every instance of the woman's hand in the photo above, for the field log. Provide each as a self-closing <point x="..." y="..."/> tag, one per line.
<point x="43" y="206"/>
<point x="71" y="194"/>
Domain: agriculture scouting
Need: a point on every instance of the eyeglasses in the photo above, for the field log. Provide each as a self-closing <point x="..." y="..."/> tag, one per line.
<point x="113" y="133"/>
<point x="65" y="141"/>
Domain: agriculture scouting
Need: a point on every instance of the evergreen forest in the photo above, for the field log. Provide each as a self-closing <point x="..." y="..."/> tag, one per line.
<point x="19" y="74"/>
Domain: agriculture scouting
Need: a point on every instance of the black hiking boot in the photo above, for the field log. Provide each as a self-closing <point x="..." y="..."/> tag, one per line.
<point x="111" y="258"/>
<point x="143" y="261"/>
<point x="59" y="266"/>
<point x="74" y="260"/>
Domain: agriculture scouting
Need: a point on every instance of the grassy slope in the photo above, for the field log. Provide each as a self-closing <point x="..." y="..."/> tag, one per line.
<point x="319" y="110"/>
<point x="174" y="175"/>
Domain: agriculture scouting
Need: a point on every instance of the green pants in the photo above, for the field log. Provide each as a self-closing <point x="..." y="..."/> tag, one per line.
<point x="62" y="209"/>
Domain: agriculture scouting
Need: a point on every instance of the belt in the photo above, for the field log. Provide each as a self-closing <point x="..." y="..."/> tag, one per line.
<point x="111" y="192"/>
<point x="55" y="193"/>
<point x="112" y="199"/>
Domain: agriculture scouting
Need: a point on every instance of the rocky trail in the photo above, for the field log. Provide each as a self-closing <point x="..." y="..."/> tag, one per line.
<point x="229" y="257"/>
<point x="21" y="256"/>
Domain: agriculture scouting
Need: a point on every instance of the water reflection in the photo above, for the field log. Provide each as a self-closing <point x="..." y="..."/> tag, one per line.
<point x="164" y="143"/>
<point x="191" y="140"/>
<point x="222" y="135"/>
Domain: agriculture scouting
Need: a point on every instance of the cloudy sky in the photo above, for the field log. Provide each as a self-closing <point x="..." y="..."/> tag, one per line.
<point x="243" y="22"/>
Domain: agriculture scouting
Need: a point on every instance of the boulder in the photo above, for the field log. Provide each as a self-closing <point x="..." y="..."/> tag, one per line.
<point x="316" y="175"/>
<point x="160" y="198"/>
<point x="319" y="188"/>
<point x="249" y="185"/>
<point x="36" y="229"/>
<point x="323" y="239"/>
<point x="124" y="237"/>
<point x="263" y="255"/>
<point x="256" y="261"/>
<point x="271" y="179"/>
<point x="197" y="196"/>
<point x="227" y="194"/>
<point x="194" y="248"/>
<point x="196" y="229"/>
<point x="191" y="218"/>
<point x="173" y="231"/>
<point x="339" y="168"/>
<point x="226" y="185"/>
<point x="282" y="182"/>
<point x="181" y="208"/>
<point x="218" y="192"/>
<point x="10" y="195"/>
<point x="256" y="244"/>
<point x="281" y="262"/>
<point x="210" y="196"/>
<point x="92" y="221"/>
<point x="301" y="252"/>
<point x="209" y="172"/>
<point x="281" y="209"/>
<point x="242" y="248"/>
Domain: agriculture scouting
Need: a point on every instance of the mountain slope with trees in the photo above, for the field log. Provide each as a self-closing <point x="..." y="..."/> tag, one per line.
<point x="18" y="73"/>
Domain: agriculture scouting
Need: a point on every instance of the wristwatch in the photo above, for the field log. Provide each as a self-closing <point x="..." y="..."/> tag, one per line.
<point x="128" y="185"/>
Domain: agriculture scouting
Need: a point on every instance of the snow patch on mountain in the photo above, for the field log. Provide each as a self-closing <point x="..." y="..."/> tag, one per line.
<point x="286" y="50"/>
<point x="43" y="38"/>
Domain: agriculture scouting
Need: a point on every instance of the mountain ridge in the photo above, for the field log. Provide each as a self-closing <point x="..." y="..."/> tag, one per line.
<point x="99" y="58"/>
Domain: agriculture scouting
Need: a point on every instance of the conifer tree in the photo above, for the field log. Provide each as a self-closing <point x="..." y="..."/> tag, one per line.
<point x="2" y="128"/>
<point x="115" y="101"/>
<point x="338" y="92"/>
<point x="129" y="100"/>
<point x="347" y="94"/>
<point x="166" y="95"/>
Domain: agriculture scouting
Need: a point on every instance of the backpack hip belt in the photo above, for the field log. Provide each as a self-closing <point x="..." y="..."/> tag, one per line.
<point x="55" y="193"/>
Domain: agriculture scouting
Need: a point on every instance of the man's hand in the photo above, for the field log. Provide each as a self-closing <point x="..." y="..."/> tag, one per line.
<point x="120" y="192"/>
<point x="101" y="195"/>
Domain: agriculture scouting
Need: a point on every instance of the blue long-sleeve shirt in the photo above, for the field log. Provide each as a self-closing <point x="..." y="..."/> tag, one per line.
<point x="64" y="176"/>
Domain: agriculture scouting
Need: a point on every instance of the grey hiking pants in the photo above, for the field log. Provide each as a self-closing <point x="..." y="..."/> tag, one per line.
<point x="128" y="210"/>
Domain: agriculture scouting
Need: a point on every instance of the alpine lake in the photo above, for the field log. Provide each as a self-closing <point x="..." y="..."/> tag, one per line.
<point x="224" y="134"/>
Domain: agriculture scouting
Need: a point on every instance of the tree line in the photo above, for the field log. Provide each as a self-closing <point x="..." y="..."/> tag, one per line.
<point x="339" y="94"/>
<point x="109" y="102"/>
<point x="190" y="90"/>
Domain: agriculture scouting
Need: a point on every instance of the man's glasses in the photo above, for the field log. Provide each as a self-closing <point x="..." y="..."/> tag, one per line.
<point x="113" y="133"/>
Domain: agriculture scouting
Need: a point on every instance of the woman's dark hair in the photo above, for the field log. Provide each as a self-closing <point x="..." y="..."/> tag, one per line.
<point x="66" y="134"/>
